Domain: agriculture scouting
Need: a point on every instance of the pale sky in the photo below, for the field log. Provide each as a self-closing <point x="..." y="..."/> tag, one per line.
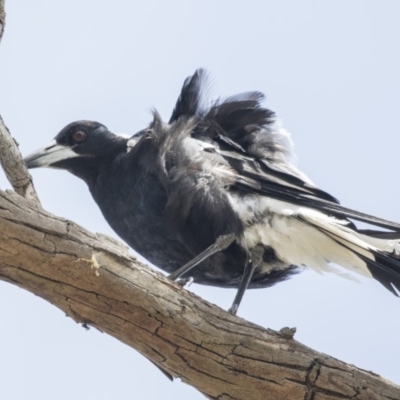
<point x="330" y="69"/>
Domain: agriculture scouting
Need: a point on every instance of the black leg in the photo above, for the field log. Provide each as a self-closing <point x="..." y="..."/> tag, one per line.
<point x="220" y="244"/>
<point x="253" y="261"/>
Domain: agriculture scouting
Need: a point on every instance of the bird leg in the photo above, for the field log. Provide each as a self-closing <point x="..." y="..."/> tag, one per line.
<point x="253" y="261"/>
<point x="220" y="244"/>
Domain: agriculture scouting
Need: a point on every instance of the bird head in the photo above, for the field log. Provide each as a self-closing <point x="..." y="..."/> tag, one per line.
<point x="80" y="148"/>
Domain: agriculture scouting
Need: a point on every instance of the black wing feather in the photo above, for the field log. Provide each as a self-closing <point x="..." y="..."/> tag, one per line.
<point x="189" y="101"/>
<point x="319" y="200"/>
<point x="243" y="130"/>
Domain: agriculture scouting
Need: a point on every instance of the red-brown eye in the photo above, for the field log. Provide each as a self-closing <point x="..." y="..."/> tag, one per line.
<point x="79" y="136"/>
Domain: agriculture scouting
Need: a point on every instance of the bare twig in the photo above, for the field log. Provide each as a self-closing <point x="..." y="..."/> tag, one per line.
<point x="14" y="168"/>
<point x="10" y="156"/>
<point x="2" y="18"/>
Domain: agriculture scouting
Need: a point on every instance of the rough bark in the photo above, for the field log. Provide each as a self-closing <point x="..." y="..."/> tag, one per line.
<point x="13" y="166"/>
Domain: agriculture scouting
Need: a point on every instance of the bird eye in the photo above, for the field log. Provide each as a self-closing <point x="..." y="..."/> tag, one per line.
<point x="79" y="136"/>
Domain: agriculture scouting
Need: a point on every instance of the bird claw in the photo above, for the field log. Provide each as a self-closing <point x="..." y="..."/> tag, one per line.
<point x="185" y="282"/>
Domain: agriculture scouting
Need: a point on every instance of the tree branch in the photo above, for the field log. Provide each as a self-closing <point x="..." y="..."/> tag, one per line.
<point x="13" y="166"/>
<point x="10" y="157"/>
<point x="95" y="281"/>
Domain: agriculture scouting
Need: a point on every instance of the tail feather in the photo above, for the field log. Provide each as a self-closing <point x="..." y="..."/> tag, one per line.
<point x="386" y="270"/>
<point x="380" y="251"/>
<point x="380" y="234"/>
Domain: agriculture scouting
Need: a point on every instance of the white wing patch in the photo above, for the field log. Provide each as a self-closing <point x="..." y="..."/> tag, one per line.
<point x="305" y="237"/>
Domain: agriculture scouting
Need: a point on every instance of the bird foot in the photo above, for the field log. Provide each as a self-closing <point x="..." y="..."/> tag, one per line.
<point x="185" y="282"/>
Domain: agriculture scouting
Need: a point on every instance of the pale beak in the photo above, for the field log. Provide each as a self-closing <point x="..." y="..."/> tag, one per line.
<point x="49" y="155"/>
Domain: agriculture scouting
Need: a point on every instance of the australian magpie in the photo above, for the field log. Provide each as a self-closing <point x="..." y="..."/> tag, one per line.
<point x="214" y="195"/>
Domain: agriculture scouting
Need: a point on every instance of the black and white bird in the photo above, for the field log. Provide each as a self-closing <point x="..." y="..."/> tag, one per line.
<point x="214" y="195"/>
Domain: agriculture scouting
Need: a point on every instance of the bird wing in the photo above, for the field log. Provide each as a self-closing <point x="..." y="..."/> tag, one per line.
<point x="256" y="176"/>
<point x="250" y="139"/>
<point x="235" y="144"/>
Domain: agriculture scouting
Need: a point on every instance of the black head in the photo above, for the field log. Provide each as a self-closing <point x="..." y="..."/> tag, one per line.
<point x="81" y="148"/>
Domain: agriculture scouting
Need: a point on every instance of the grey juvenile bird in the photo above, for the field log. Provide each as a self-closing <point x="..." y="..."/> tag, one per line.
<point x="213" y="195"/>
